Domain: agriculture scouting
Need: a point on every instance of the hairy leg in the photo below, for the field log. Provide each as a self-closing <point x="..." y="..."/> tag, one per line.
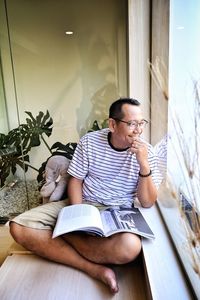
<point x="119" y="248"/>
<point x="41" y="243"/>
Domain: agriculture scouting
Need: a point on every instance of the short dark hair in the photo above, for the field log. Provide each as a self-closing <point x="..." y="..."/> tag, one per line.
<point x="115" y="110"/>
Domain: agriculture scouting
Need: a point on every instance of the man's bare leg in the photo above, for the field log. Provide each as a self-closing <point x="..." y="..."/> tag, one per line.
<point x="119" y="248"/>
<point x="41" y="243"/>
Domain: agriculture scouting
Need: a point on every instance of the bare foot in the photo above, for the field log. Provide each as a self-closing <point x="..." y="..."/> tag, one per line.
<point x="107" y="276"/>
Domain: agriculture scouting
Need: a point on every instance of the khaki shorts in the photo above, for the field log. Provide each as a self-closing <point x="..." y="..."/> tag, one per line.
<point x="41" y="217"/>
<point x="45" y="216"/>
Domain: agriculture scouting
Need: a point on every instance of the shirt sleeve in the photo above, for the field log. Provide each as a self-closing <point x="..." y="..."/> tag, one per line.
<point x="155" y="166"/>
<point x="78" y="167"/>
<point x="161" y="152"/>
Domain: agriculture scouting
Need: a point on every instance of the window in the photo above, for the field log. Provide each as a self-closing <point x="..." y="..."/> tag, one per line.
<point x="182" y="206"/>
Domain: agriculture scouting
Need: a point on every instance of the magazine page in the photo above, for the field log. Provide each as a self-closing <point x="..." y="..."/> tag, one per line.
<point x="125" y="220"/>
<point x="78" y="217"/>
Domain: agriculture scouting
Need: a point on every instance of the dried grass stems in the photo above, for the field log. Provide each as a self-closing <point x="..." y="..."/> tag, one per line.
<point x="189" y="162"/>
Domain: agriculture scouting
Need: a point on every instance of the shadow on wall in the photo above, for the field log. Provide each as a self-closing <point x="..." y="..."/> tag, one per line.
<point x="98" y="77"/>
<point x="100" y="105"/>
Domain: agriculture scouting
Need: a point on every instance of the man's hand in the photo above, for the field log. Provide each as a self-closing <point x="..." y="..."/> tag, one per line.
<point x="139" y="148"/>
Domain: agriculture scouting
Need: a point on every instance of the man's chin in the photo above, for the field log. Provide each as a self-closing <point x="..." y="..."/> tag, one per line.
<point x="130" y="139"/>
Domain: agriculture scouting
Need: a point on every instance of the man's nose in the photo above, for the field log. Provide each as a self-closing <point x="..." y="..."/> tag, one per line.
<point x="137" y="127"/>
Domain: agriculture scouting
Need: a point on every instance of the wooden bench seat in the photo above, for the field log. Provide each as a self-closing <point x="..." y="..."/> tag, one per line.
<point x="24" y="277"/>
<point x="156" y="274"/>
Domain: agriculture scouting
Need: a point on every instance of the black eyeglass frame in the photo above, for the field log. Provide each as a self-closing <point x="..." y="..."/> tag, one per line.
<point x="133" y="123"/>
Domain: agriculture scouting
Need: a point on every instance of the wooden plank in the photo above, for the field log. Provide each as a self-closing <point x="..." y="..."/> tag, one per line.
<point x="5" y="241"/>
<point x="139" y="54"/>
<point x="16" y="248"/>
<point x="166" y="278"/>
<point x="25" y="277"/>
<point x="159" y="53"/>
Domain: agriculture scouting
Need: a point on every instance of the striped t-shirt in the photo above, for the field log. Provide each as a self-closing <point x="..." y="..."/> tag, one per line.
<point x="110" y="176"/>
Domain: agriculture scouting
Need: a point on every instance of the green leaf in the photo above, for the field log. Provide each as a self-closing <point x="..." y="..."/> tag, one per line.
<point x="29" y="135"/>
<point x="3" y="141"/>
<point x="95" y="126"/>
<point x="104" y="124"/>
<point x="42" y="124"/>
<point x="69" y="148"/>
<point x="18" y="142"/>
<point x="8" y="164"/>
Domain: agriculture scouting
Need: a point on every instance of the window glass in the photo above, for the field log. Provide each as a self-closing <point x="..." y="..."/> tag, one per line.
<point x="181" y="206"/>
<point x="68" y="58"/>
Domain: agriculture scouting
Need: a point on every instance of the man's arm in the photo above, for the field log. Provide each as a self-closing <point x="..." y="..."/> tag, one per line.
<point x="74" y="190"/>
<point x="146" y="190"/>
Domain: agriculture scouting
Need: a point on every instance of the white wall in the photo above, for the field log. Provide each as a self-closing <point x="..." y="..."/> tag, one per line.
<point x="74" y="77"/>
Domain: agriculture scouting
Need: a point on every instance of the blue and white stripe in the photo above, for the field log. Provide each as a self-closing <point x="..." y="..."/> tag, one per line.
<point x="110" y="176"/>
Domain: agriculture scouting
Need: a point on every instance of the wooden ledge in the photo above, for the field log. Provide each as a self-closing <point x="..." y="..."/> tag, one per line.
<point x="15" y="248"/>
<point x="164" y="272"/>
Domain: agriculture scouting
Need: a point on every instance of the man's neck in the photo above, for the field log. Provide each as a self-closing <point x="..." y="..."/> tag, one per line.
<point x="114" y="145"/>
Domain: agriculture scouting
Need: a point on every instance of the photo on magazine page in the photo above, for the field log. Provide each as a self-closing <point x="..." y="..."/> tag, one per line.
<point x="129" y="219"/>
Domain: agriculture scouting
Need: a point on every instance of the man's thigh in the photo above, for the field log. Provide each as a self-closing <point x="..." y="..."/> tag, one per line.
<point x="41" y="217"/>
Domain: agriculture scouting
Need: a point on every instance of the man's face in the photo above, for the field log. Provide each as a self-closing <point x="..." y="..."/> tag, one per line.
<point x="122" y="133"/>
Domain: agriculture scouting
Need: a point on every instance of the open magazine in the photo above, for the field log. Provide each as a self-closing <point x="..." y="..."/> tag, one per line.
<point x="88" y="218"/>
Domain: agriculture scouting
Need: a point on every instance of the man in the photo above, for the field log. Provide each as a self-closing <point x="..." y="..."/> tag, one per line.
<point x="109" y="167"/>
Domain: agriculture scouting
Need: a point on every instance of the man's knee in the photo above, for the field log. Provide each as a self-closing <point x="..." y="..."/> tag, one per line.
<point x="129" y="247"/>
<point x="16" y="231"/>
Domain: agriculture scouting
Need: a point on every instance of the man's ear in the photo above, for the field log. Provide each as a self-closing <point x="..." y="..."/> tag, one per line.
<point x="111" y="124"/>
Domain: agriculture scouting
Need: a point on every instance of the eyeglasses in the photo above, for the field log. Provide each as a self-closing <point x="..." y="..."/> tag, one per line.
<point x="134" y="124"/>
